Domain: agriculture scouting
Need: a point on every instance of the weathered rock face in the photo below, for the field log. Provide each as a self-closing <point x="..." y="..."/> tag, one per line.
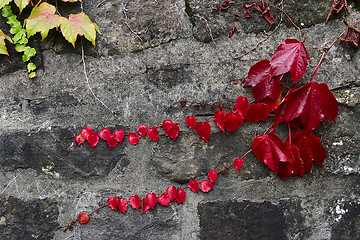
<point x="150" y="56"/>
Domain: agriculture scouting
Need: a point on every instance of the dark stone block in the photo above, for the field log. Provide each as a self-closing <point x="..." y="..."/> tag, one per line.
<point x="35" y="219"/>
<point x="248" y="220"/>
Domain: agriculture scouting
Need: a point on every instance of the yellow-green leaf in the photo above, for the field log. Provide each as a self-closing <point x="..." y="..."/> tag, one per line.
<point x="42" y="19"/>
<point x="3" y="49"/>
<point x="4" y="3"/>
<point x="71" y="0"/>
<point x="31" y="67"/>
<point x="32" y="75"/>
<point x="78" y="24"/>
<point x="21" y="4"/>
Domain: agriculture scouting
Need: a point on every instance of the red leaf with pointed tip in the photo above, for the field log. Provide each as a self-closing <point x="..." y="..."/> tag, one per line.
<point x="79" y="139"/>
<point x="258" y="112"/>
<point x="86" y="132"/>
<point x="133" y="138"/>
<point x="153" y="134"/>
<point x="113" y="202"/>
<point x="242" y="105"/>
<point x="311" y="149"/>
<point x="219" y="119"/>
<point x="145" y="206"/>
<point x="181" y="196"/>
<point x="204" y="130"/>
<point x="119" y="135"/>
<point x="313" y="102"/>
<point x="233" y="121"/>
<point x="111" y="141"/>
<point x="151" y="200"/>
<point x="212" y="176"/>
<point x="104" y="134"/>
<point x="172" y="192"/>
<point x="93" y="140"/>
<point x="291" y="55"/>
<point x="141" y="129"/>
<point x="167" y="124"/>
<point x="164" y="199"/>
<point x="238" y="163"/>
<point x="135" y="202"/>
<point x="83" y="218"/>
<point x="123" y="205"/>
<point x="294" y="165"/>
<point x="190" y="121"/>
<point x="268" y="16"/>
<point x="193" y="185"/>
<point x="206" y="185"/>
<point x="263" y="83"/>
<point x="173" y="132"/>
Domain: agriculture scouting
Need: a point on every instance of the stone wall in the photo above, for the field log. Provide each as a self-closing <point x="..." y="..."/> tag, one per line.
<point x="46" y="180"/>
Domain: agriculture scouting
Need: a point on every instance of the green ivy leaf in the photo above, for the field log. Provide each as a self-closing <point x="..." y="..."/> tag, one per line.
<point x="3" y="49"/>
<point x="32" y="75"/>
<point x="28" y="53"/>
<point x="20" y="35"/>
<point x="31" y="67"/>
<point x="20" y="47"/>
<point x="42" y="19"/>
<point x="4" y="3"/>
<point x="78" y="24"/>
<point x="21" y="4"/>
<point x="15" y="29"/>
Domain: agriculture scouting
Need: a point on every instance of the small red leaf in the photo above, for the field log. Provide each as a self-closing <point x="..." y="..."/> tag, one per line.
<point x="219" y="119"/>
<point x="193" y="185"/>
<point x="104" y="134"/>
<point x="206" y="185"/>
<point x="233" y="121"/>
<point x="113" y="202"/>
<point x="181" y="196"/>
<point x="233" y="29"/>
<point x="133" y="138"/>
<point x="174" y="132"/>
<point x="190" y="121"/>
<point x="167" y="124"/>
<point x="242" y="106"/>
<point x="145" y="206"/>
<point x="141" y="129"/>
<point x="212" y="176"/>
<point x="172" y="193"/>
<point x="83" y="218"/>
<point x="352" y="36"/>
<point x="86" y="132"/>
<point x="268" y="16"/>
<point x="238" y="163"/>
<point x="153" y="134"/>
<point x="123" y="205"/>
<point x="258" y="112"/>
<point x="135" y="202"/>
<point x="164" y="199"/>
<point x="204" y="130"/>
<point x="151" y="200"/>
<point x="111" y="141"/>
<point x="79" y="139"/>
<point x="93" y="140"/>
<point x="119" y="135"/>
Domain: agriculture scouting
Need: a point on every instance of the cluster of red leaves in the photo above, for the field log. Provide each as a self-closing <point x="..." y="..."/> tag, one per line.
<point x="172" y="194"/>
<point x="336" y="7"/>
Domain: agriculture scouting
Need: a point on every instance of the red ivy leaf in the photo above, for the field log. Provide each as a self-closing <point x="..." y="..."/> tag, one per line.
<point x="135" y="202"/>
<point x="295" y="164"/>
<point x="219" y="119"/>
<point x="313" y="102"/>
<point x="164" y="199"/>
<point x="174" y="132"/>
<point x="113" y="202"/>
<point x="141" y="129"/>
<point x="190" y="121"/>
<point x="104" y="134"/>
<point x="242" y="106"/>
<point x="352" y="36"/>
<point x="206" y="185"/>
<point x="336" y="7"/>
<point x="111" y="141"/>
<point x="93" y="140"/>
<point x="172" y="192"/>
<point x="151" y="200"/>
<point x="181" y="196"/>
<point x="86" y="132"/>
<point x="193" y="185"/>
<point x="133" y="138"/>
<point x="79" y="139"/>
<point x="233" y="29"/>
<point x="83" y="218"/>
<point x="123" y="205"/>
<point x="268" y="16"/>
<point x="258" y="112"/>
<point x="145" y="206"/>
<point x="119" y="135"/>
<point x="238" y="163"/>
<point x="153" y="134"/>
<point x="291" y="55"/>
<point x="167" y="124"/>
<point x="204" y="130"/>
<point x="212" y="176"/>
<point x="233" y="121"/>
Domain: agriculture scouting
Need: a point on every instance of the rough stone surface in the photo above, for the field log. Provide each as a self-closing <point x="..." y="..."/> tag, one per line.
<point x="152" y="54"/>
